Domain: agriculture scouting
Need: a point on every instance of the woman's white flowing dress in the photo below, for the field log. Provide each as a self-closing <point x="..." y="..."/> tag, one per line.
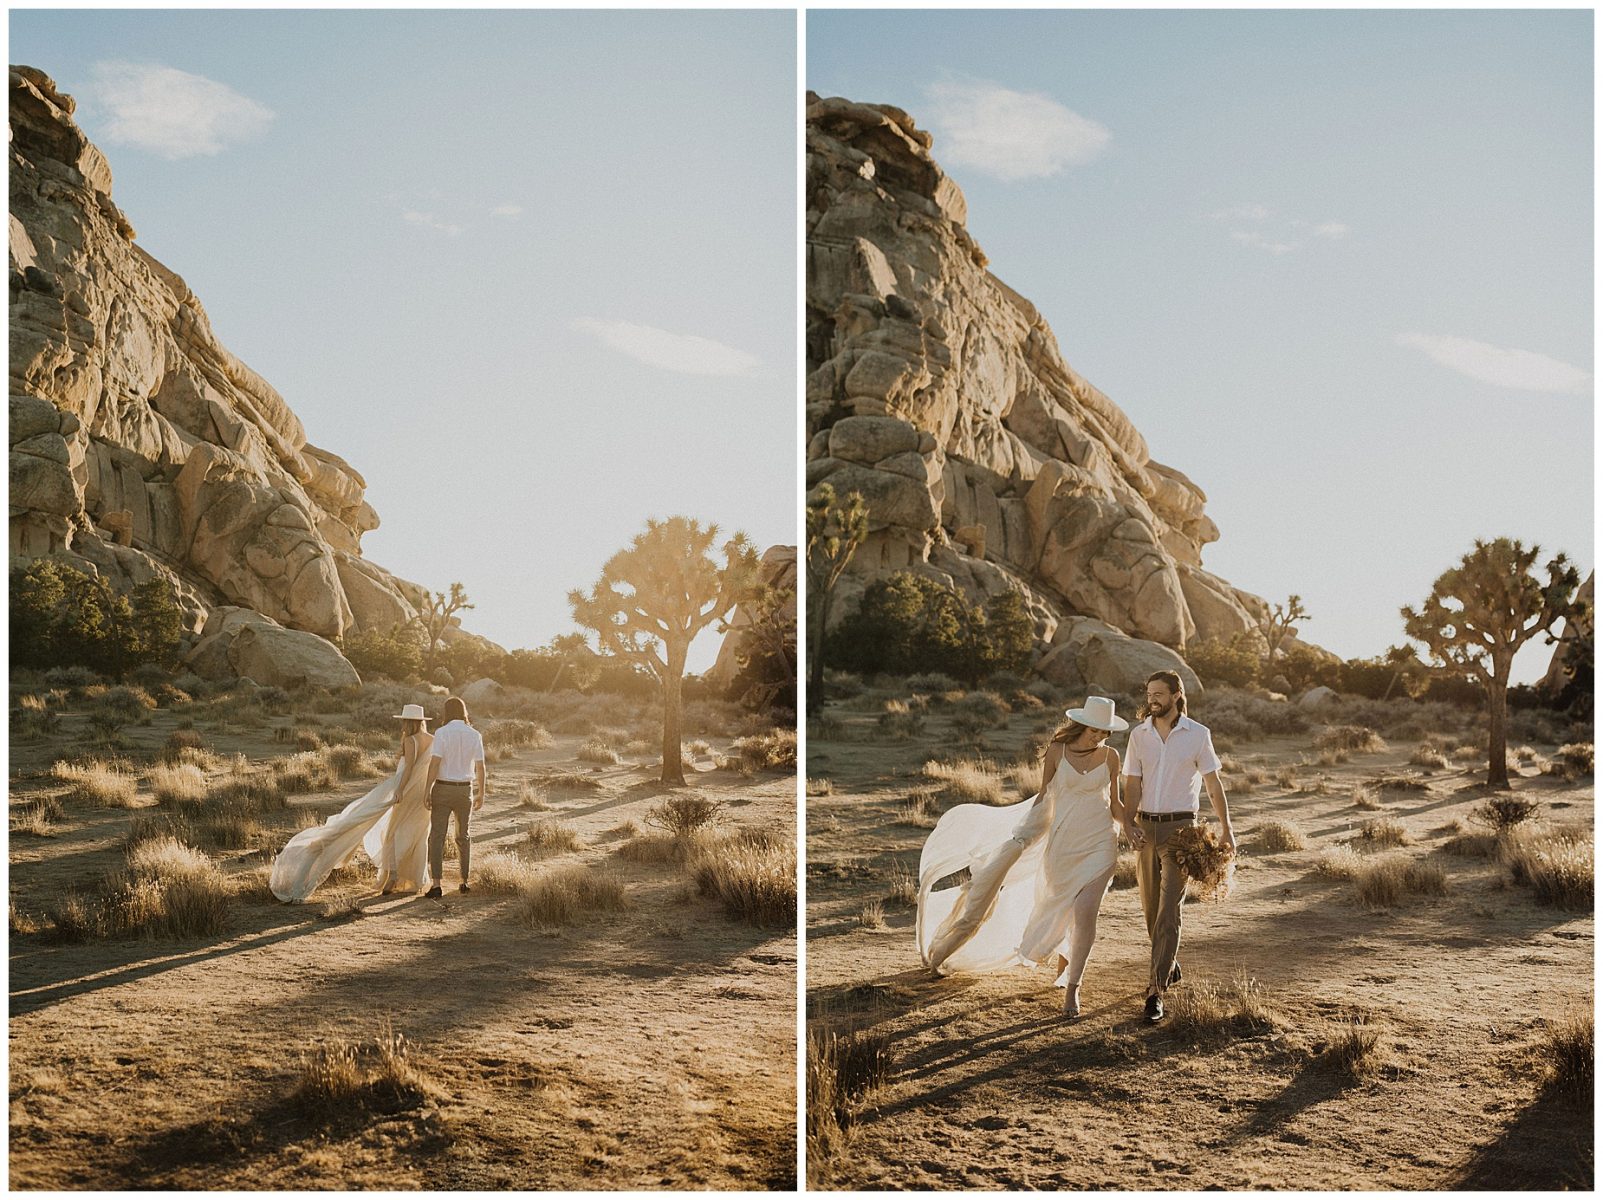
<point x="1027" y="862"/>
<point x="395" y="836"/>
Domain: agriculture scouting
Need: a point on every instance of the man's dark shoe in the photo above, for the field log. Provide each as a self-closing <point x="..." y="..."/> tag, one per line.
<point x="434" y="893"/>
<point x="1154" y="1008"/>
<point x="1174" y="975"/>
<point x="463" y="888"/>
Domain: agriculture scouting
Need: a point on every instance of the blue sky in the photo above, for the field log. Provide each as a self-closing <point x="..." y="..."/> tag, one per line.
<point x="532" y="273"/>
<point x="1336" y="266"/>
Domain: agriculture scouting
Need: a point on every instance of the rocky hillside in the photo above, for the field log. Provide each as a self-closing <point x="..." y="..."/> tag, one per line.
<point x="140" y="446"/>
<point x="940" y="394"/>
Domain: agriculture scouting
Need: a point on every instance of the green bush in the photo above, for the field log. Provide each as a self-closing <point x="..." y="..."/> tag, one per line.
<point x="907" y="623"/>
<point x="395" y="653"/>
<point x="1224" y="664"/>
<point x="61" y="616"/>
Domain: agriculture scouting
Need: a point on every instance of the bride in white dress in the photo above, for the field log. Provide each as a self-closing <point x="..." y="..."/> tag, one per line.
<point x="391" y="823"/>
<point x="1037" y="869"/>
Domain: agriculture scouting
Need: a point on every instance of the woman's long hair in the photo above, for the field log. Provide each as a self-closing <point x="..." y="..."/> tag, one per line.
<point x="409" y="728"/>
<point x="1066" y="733"/>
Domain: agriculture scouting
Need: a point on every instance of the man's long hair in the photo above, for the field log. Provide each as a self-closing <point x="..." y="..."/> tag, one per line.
<point x="1172" y="681"/>
<point x="455" y="710"/>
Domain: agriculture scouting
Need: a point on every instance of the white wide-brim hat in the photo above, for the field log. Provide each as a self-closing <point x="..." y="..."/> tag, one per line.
<point x="1097" y="713"/>
<point x="411" y="712"/>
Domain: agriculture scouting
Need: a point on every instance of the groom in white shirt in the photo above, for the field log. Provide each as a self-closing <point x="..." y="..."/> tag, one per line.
<point x="1169" y="759"/>
<point x="456" y="762"/>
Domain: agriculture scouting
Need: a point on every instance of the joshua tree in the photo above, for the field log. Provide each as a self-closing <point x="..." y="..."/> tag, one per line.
<point x="1481" y="612"/>
<point x="437" y="619"/>
<point x="767" y="650"/>
<point x="834" y="532"/>
<point x="654" y="598"/>
<point x="1279" y="625"/>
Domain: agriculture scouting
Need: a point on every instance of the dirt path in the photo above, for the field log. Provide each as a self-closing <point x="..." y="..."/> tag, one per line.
<point x="991" y="1089"/>
<point x="651" y="1050"/>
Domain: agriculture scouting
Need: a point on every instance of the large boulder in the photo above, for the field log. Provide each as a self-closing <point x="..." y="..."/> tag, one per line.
<point x="1091" y="654"/>
<point x="277" y="657"/>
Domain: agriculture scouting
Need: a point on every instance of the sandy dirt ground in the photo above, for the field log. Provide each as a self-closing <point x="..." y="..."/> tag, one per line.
<point x="655" y="1049"/>
<point x="991" y="1089"/>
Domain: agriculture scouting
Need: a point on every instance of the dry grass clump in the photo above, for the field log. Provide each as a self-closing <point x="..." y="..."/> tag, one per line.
<point x="1278" y="837"/>
<point x="921" y="810"/>
<point x="249" y="790"/>
<point x="653" y="848"/>
<point x="570" y="781"/>
<point x="1383" y="883"/>
<point x="683" y="815"/>
<point x="981" y="710"/>
<point x="532" y="798"/>
<point x="36" y="819"/>
<point x="1366" y="796"/>
<point x="1428" y="755"/>
<point x="1124" y="873"/>
<point x="1567" y="1049"/>
<point x="380" y="1076"/>
<point x="771" y="751"/>
<point x="544" y="839"/>
<point x="1572" y="760"/>
<point x="501" y="874"/>
<point x="826" y="728"/>
<point x="97" y="781"/>
<point x="899" y="726"/>
<point x="1353" y="1050"/>
<point x="1385" y="831"/>
<point x="185" y="745"/>
<point x="1207" y="1008"/>
<point x="1400" y="783"/>
<point x="514" y="734"/>
<point x="1472" y="845"/>
<point x="308" y="771"/>
<point x="561" y="896"/>
<point x="1288" y="777"/>
<point x="872" y="915"/>
<point x="1332" y="758"/>
<point x="968" y="781"/>
<point x="1556" y="864"/>
<point x="178" y="784"/>
<point x="1353" y="738"/>
<point x="170" y="890"/>
<point x="751" y="873"/>
<point x="1468" y="753"/>
<point x="843" y="1069"/>
<point x="817" y="786"/>
<point x="1339" y="862"/>
<point x="1503" y="813"/>
<point x="903" y="888"/>
<point x="597" y="751"/>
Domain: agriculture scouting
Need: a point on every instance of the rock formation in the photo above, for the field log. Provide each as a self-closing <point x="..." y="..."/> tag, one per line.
<point x="940" y="394"/>
<point x="140" y="447"/>
<point x="778" y="570"/>
<point x="1582" y="628"/>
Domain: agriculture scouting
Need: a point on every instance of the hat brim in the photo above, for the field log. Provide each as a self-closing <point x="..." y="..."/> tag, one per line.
<point x="1078" y="715"/>
<point x="404" y="717"/>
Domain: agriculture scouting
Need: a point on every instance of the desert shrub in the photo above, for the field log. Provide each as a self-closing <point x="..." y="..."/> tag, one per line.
<point x="843" y="1069"/>
<point x="899" y="726"/>
<point x="826" y="728"/>
<point x="1573" y="761"/>
<point x="1207" y="1008"/>
<point x="968" y="781"/>
<point x="96" y="781"/>
<point x="395" y="653"/>
<point x="38" y="818"/>
<point x="1124" y="872"/>
<point x="921" y="809"/>
<point x="931" y="682"/>
<point x="308" y="771"/>
<point x="1384" y="831"/>
<point x="1399" y="783"/>
<point x="1428" y="755"/>
<point x="180" y="743"/>
<point x="532" y="797"/>
<point x="1236" y="714"/>
<point x="544" y="839"/>
<point x="1277" y="837"/>
<point x="1502" y="813"/>
<point x="379" y="1076"/>
<point x="1339" y="862"/>
<point x="1556" y="864"/>
<point x="594" y="751"/>
<point x="249" y="790"/>
<point x="1383" y="883"/>
<point x="906" y="622"/>
<point x="982" y="710"/>
<point x="1568" y="1051"/>
<point x="178" y="785"/>
<point x="514" y="734"/>
<point x="561" y="896"/>
<point x="818" y="786"/>
<point x="871" y="915"/>
<point x="302" y="737"/>
<point x="1472" y="845"/>
<point x="753" y="877"/>
<point x="63" y="616"/>
<point x="653" y="848"/>
<point x="570" y="781"/>
<point x="903" y="888"/>
<point x="170" y="890"/>
<point x="1352" y="738"/>
<point x="1353" y="1050"/>
<point x="771" y="751"/>
<point x="682" y="815"/>
<point x="499" y="873"/>
<point x="1221" y="663"/>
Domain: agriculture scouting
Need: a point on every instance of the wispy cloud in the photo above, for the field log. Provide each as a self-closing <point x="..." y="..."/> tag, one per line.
<point x="428" y="220"/>
<point x="682" y="352"/>
<point x="507" y="210"/>
<point x="171" y="112"/>
<point x="1276" y="233"/>
<point x="1523" y="370"/>
<point x="1007" y="134"/>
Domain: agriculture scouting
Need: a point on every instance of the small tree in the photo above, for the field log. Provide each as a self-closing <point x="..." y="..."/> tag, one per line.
<point x="654" y="598"/>
<point x="1481" y="612"/>
<point x="765" y="660"/>
<point x="834" y="532"/>
<point x="1279" y="625"/>
<point x="436" y="619"/>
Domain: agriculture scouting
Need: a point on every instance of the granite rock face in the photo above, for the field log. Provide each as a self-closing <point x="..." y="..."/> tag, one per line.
<point x="777" y="570"/>
<point x="140" y="446"/>
<point x="940" y="394"/>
